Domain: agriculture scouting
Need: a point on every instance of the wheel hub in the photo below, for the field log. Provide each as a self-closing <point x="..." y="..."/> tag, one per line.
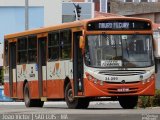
<point x="70" y="95"/>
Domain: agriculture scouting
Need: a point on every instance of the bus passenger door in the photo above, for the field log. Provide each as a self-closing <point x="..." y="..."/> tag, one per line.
<point x="42" y="83"/>
<point x="12" y="70"/>
<point x="77" y="65"/>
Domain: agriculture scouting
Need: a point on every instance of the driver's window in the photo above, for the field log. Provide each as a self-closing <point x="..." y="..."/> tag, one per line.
<point x="109" y="48"/>
<point x="139" y="46"/>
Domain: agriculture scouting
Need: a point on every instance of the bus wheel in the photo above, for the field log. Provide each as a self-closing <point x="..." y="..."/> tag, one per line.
<point x="27" y="100"/>
<point x="75" y="103"/>
<point x="30" y="102"/>
<point x="71" y="102"/>
<point x="84" y="103"/>
<point x="128" y="102"/>
<point x="38" y="103"/>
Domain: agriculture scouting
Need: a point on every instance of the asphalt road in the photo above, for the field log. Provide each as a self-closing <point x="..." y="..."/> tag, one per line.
<point x="59" y="111"/>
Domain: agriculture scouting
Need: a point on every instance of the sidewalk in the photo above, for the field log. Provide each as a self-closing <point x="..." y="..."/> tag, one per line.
<point x="60" y="103"/>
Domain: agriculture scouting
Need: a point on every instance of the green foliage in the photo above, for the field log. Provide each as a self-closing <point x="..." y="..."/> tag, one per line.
<point x="156" y="99"/>
<point x="144" y="101"/>
<point x="1" y="77"/>
<point x="149" y="101"/>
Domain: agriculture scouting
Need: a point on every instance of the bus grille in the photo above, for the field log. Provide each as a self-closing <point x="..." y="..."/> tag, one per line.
<point x="121" y="73"/>
<point x="133" y="82"/>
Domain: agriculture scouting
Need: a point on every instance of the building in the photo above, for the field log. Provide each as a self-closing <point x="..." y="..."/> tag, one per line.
<point x="68" y="11"/>
<point x="99" y="5"/>
<point x="139" y="0"/>
<point x="41" y="13"/>
<point x="12" y="14"/>
<point x="136" y="8"/>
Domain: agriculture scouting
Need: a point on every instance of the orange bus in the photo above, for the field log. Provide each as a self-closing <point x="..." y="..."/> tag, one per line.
<point x="97" y="59"/>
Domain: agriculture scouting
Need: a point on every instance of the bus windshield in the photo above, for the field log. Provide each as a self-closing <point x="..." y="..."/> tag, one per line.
<point x="119" y="51"/>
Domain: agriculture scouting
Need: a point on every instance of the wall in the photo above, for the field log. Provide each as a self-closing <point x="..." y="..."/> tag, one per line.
<point x="78" y="0"/>
<point x="68" y="14"/>
<point x="150" y="16"/>
<point x="21" y="2"/>
<point x="12" y="16"/>
<point x="13" y="19"/>
<point x="42" y="13"/>
<point x="122" y="8"/>
<point x="157" y="17"/>
<point x="52" y="12"/>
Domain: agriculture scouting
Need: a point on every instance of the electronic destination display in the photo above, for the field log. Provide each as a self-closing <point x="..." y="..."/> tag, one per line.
<point x="119" y="25"/>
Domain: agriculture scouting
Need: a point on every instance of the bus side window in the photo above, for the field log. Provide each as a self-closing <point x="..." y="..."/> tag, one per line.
<point x="22" y="50"/>
<point x="53" y="45"/>
<point x="32" y="49"/>
<point x="65" y="40"/>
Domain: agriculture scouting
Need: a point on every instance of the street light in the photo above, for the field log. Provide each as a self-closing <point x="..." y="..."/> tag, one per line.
<point x="26" y="15"/>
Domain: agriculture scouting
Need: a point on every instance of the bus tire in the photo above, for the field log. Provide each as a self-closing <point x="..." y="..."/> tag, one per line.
<point x="128" y="102"/>
<point x="38" y="103"/>
<point x="75" y="103"/>
<point x="84" y="103"/>
<point x="28" y="102"/>
<point x="72" y="103"/>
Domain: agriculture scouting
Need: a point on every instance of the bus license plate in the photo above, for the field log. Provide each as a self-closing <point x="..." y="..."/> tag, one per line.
<point x="123" y="89"/>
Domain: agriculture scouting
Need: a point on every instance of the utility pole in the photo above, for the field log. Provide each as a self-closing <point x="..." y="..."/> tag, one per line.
<point x="26" y="15"/>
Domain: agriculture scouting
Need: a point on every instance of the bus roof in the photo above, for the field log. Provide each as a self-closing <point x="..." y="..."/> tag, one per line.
<point x="80" y="23"/>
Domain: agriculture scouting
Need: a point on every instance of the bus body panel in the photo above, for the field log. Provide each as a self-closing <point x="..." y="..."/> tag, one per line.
<point x="20" y="86"/>
<point x="6" y="89"/>
<point x="55" y="72"/>
<point x="6" y="81"/>
<point x="55" y="89"/>
<point x="29" y="73"/>
<point x="108" y="90"/>
<point x="102" y="85"/>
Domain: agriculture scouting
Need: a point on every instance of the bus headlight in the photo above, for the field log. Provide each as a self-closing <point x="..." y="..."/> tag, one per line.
<point x="90" y="77"/>
<point x="94" y="80"/>
<point x="144" y="81"/>
<point x="101" y="82"/>
<point x="148" y="80"/>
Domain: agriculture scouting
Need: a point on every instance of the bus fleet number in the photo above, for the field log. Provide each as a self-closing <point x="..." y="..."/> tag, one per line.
<point x="111" y="78"/>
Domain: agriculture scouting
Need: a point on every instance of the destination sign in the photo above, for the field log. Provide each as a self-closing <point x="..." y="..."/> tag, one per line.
<point x="115" y="25"/>
<point x="119" y="25"/>
<point x="111" y="63"/>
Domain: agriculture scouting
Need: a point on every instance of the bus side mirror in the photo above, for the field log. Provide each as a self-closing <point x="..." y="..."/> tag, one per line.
<point x="81" y="42"/>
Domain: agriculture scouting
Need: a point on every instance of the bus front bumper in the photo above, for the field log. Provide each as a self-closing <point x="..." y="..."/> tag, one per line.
<point x="92" y="89"/>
